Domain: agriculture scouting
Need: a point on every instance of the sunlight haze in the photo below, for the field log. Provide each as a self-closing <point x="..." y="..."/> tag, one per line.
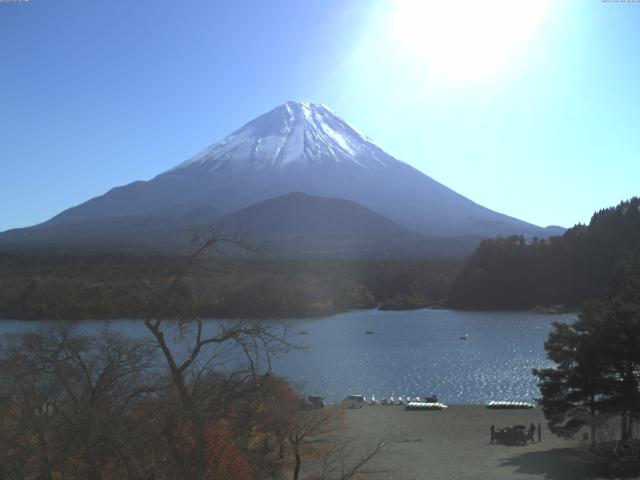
<point x="527" y="108"/>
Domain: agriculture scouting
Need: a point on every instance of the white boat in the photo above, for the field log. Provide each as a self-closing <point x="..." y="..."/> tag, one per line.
<point x="506" y="405"/>
<point x="426" y="406"/>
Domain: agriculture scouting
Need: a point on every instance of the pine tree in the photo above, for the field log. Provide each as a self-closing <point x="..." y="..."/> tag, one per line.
<point x="597" y="372"/>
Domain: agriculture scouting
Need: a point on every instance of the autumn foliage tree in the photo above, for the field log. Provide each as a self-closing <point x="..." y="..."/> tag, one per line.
<point x="277" y="411"/>
<point x="224" y="458"/>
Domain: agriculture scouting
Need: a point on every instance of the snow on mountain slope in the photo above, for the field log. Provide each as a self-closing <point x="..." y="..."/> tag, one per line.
<point x="296" y="147"/>
<point x="291" y="134"/>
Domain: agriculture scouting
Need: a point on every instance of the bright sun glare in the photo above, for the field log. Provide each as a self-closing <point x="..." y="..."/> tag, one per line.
<point x="464" y="39"/>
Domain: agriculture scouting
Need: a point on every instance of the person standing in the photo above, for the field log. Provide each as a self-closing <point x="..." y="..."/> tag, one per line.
<point x="493" y="433"/>
<point x="539" y="433"/>
<point x="532" y="431"/>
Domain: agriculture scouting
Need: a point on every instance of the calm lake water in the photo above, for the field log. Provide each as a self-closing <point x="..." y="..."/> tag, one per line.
<point x="410" y="353"/>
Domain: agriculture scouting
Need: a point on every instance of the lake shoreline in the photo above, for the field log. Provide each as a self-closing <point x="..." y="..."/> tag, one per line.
<point x="307" y="316"/>
<point x="463" y="357"/>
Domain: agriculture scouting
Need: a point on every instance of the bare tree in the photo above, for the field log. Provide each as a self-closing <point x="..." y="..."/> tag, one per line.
<point x="68" y="410"/>
<point x="308" y="432"/>
<point x="348" y="458"/>
<point x="317" y="434"/>
<point x="211" y="370"/>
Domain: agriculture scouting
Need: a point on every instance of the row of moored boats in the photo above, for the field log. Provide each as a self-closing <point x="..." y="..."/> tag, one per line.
<point x="493" y="405"/>
<point x="430" y="402"/>
<point x="404" y="400"/>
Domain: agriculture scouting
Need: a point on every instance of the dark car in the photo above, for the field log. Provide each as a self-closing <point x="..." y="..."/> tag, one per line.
<point x="315" y="401"/>
<point x="516" y="434"/>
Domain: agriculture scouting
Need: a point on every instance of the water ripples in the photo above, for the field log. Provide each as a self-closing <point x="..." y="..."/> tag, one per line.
<point x="419" y="352"/>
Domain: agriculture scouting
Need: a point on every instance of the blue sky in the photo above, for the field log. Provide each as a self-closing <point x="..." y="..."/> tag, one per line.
<point x="539" y="120"/>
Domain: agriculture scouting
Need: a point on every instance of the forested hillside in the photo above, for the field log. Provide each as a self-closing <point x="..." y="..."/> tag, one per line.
<point x="96" y="286"/>
<point x="505" y="273"/>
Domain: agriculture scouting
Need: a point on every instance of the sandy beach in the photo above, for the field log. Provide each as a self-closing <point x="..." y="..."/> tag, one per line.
<point x="455" y="444"/>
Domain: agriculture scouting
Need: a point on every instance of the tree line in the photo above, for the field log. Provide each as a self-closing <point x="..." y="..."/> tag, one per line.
<point x="86" y="286"/>
<point x="513" y="273"/>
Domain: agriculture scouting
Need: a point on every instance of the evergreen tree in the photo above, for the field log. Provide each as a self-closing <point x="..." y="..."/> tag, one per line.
<point x="597" y="373"/>
<point x="509" y="273"/>
<point x="622" y="316"/>
<point x="576" y="393"/>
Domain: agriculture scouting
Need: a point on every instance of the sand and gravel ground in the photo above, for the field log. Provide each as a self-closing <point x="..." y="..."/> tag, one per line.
<point x="454" y="444"/>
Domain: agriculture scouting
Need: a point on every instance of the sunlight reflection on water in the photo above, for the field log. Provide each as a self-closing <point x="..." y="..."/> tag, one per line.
<point x="418" y="352"/>
<point x="411" y="353"/>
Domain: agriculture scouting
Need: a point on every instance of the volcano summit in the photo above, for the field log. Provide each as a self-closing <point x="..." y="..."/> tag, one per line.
<point x="296" y="147"/>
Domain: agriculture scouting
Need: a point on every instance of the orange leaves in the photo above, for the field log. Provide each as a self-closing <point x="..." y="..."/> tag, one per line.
<point x="224" y="459"/>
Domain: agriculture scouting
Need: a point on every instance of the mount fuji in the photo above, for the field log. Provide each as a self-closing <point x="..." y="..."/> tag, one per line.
<point x="296" y="147"/>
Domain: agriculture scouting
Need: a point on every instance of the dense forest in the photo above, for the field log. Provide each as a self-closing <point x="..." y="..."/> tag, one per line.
<point x="512" y="273"/>
<point x="96" y="286"/>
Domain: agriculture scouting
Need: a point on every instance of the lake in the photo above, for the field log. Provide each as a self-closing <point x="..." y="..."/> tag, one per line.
<point x="414" y="353"/>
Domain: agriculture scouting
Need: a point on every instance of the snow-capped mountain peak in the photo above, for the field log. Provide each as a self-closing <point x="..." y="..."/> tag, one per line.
<point x="296" y="147"/>
<point x="291" y="134"/>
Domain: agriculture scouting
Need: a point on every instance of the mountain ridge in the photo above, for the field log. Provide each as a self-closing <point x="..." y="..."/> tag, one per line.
<point x="295" y="147"/>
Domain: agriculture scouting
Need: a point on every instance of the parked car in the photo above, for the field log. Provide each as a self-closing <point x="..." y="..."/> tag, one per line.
<point x="512" y="435"/>
<point x="354" y="401"/>
<point x="315" y="401"/>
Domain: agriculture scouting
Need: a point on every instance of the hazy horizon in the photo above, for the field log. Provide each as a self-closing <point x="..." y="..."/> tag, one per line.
<point x="535" y="118"/>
